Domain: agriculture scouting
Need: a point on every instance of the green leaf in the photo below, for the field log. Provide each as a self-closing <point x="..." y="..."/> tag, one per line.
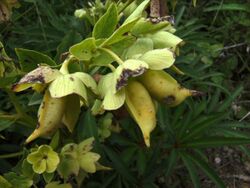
<point x="58" y="185"/>
<point x="120" y="33"/>
<point x="144" y="26"/>
<point x="206" y="169"/>
<point x="86" y="127"/>
<point x="84" y="50"/>
<point x="229" y="7"/>
<point x="201" y="126"/>
<point x="4" y="183"/>
<point x="30" y="59"/>
<point x="4" y="124"/>
<point x="19" y="181"/>
<point x="171" y="162"/>
<point x="215" y="142"/>
<point x="138" y="11"/>
<point x="192" y="171"/>
<point x="7" y="81"/>
<point x="119" y="165"/>
<point x="48" y="177"/>
<point x="141" y="161"/>
<point x="105" y="26"/>
<point x="141" y="46"/>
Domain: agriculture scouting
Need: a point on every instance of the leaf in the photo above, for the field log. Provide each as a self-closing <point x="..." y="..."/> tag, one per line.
<point x="144" y="26"/>
<point x="105" y="26"/>
<point x="7" y="81"/>
<point x="19" y="181"/>
<point x="137" y="12"/>
<point x="58" y="185"/>
<point x="30" y="59"/>
<point x="141" y="46"/>
<point x="201" y="126"/>
<point x="229" y="7"/>
<point x="86" y="127"/>
<point x="4" y="183"/>
<point x="171" y="162"/>
<point x="120" y="33"/>
<point x="192" y="171"/>
<point x="119" y="165"/>
<point x="84" y="50"/>
<point x="206" y="169"/>
<point x="215" y="142"/>
<point x="4" y="124"/>
<point x="68" y="166"/>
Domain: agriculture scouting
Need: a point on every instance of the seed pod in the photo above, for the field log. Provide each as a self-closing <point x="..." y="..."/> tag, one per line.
<point x="164" y="88"/>
<point x="50" y="115"/>
<point x="141" y="108"/>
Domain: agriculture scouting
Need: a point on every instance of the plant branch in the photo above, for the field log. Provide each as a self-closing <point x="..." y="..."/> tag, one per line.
<point x="112" y="54"/>
<point x="11" y="155"/>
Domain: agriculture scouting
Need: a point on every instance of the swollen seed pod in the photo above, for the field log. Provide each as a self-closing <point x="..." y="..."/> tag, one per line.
<point x="141" y="108"/>
<point x="50" y="115"/>
<point x="164" y="88"/>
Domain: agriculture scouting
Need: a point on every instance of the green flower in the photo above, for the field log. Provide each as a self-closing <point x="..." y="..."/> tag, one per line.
<point x="44" y="159"/>
<point x="76" y="157"/>
<point x="112" y="85"/>
<point x="60" y="83"/>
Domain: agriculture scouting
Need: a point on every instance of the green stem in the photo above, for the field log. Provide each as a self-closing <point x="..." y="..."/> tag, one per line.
<point x="11" y="155"/>
<point x="112" y="68"/>
<point x="113" y="55"/>
<point x="64" y="68"/>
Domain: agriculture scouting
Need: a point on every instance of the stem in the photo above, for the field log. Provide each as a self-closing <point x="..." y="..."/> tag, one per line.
<point x="113" y="55"/>
<point x="65" y="64"/>
<point x="155" y="8"/>
<point x="111" y="67"/>
<point x="11" y="155"/>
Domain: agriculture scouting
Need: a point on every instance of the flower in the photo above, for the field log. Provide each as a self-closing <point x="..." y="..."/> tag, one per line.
<point x="44" y="159"/>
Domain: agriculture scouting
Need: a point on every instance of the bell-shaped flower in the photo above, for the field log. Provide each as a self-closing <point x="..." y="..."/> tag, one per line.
<point x="111" y="86"/>
<point x="44" y="159"/>
<point x="60" y="83"/>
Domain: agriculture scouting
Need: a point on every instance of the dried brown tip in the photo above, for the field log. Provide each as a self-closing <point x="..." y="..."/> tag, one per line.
<point x="196" y="93"/>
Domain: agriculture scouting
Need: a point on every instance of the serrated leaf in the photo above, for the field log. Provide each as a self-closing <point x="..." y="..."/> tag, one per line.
<point x="30" y="59"/>
<point x="105" y="26"/>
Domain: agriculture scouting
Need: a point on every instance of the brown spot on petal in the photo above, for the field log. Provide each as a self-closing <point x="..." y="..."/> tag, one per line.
<point x="71" y="78"/>
<point x="126" y="73"/>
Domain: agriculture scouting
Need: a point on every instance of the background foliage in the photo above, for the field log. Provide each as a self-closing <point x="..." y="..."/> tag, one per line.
<point x="215" y="60"/>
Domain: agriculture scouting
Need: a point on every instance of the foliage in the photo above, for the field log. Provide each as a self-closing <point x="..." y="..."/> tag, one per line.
<point x="102" y="42"/>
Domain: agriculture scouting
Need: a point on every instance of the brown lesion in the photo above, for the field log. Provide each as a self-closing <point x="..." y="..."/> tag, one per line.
<point x="169" y="99"/>
<point x="126" y="74"/>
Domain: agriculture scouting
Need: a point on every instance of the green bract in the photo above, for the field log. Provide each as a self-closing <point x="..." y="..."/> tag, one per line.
<point x="43" y="160"/>
<point x="76" y="157"/>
